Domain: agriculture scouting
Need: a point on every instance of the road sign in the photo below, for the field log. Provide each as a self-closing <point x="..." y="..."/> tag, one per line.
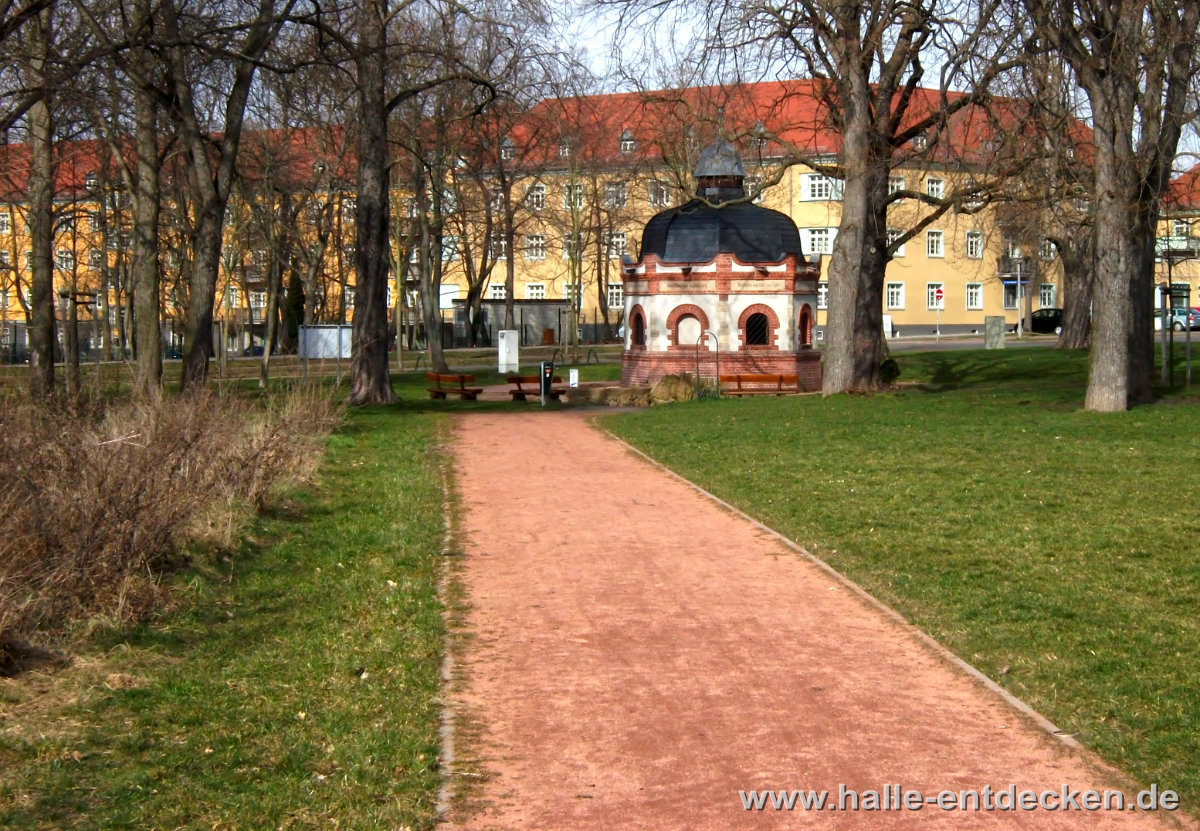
<point x="937" y="295"/>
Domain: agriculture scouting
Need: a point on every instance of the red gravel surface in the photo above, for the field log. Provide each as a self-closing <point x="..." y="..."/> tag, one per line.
<point x="637" y="655"/>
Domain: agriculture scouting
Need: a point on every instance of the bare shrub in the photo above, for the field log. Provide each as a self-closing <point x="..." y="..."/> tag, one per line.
<point x="97" y="505"/>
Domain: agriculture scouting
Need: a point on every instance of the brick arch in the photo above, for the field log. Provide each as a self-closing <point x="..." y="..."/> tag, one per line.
<point x="772" y="326"/>
<point x="637" y="313"/>
<point x="804" y="327"/>
<point x="682" y="311"/>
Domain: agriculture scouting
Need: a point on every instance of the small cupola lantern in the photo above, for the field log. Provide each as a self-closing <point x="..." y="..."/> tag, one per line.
<point x="722" y="282"/>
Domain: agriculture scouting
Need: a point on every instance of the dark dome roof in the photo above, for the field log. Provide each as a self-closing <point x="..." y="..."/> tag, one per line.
<point x="696" y="233"/>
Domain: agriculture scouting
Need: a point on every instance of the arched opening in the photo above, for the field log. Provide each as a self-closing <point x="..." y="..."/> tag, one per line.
<point x="687" y="330"/>
<point x="806" y="327"/>
<point x="757" y="327"/>
<point x="638" y="324"/>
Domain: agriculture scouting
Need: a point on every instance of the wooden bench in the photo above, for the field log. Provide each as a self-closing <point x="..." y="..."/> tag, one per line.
<point x="444" y="385"/>
<point x="526" y="385"/>
<point x="761" y="384"/>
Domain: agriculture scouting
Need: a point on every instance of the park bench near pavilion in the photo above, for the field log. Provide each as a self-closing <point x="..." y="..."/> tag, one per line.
<point x="527" y="385"/>
<point x="444" y="385"/>
<point x="759" y="384"/>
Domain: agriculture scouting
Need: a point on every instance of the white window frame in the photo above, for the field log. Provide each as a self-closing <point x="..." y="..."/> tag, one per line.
<point x="820" y="240"/>
<point x="615" y="195"/>
<point x="931" y="303"/>
<point x="64" y="259"/>
<point x="572" y="244"/>
<point x="817" y="187"/>
<point x="348" y="298"/>
<point x="1048" y="251"/>
<point x="390" y="297"/>
<point x="5" y="223"/>
<point x="894" y="234"/>
<point x="615" y="243"/>
<point x="935" y="243"/>
<point x="566" y="293"/>
<point x="564" y="149"/>
<point x="450" y="248"/>
<point x="258" y="300"/>
<point x="498" y="247"/>
<point x="95" y="258"/>
<point x="1047" y="295"/>
<point x="535" y="247"/>
<point x="535" y="291"/>
<point x="572" y="192"/>
<point x="893" y="296"/>
<point x="626" y="144"/>
<point x="1179" y="228"/>
<point x="615" y="295"/>
<point x="823" y="295"/>
<point x="658" y="194"/>
<point x="1009" y="290"/>
<point x="535" y="197"/>
<point x="973" y="245"/>
<point x="974" y="293"/>
<point x="896" y="183"/>
<point x="231" y="297"/>
<point x="497" y="292"/>
<point x="935" y="186"/>
<point x="752" y="187"/>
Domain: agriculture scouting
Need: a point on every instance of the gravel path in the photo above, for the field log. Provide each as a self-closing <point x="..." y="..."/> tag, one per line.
<point x="636" y="655"/>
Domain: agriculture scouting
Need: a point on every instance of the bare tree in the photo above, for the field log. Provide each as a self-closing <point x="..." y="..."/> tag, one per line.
<point x="1137" y="60"/>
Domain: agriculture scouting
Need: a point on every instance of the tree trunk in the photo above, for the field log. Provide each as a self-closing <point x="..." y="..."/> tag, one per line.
<point x="855" y="318"/>
<point x="41" y="219"/>
<point x="147" y="381"/>
<point x="370" y="382"/>
<point x="1076" y="258"/>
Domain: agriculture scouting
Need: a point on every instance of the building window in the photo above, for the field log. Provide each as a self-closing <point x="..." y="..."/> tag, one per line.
<point x="614" y="243"/>
<point x="64" y="260"/>
<point x="935" y="244"/>
<point x="1047" y="294"/>
<point x="895" y="296"/>
<point x="5" y="224"/>
<point x="391" y="296"/>
<point x="91" y="181"/>
<point x="4" y="295"/>
<point x="822" y="295"/>
<point x="752" y="187"/>
<point x="496" y="199"/>
<point x="894" y="234"/>
<point x="535" y="246"/>
<point x="572" y="245"/>
<point x="535" y="197"/>
<point x="564" y="149"/>
<point x="756" y="329"/>
<point x="895" y="185"/>
<point x="615" y="295"/>
<point x="535" y="291"/>
<point x="572" y="196"/>
<point x="820" y="240"/>
<point x="1179" y="227"/>
<point x="627" y="143"/>
<point x="497" y="292"/>
<point x="1012" y="248"/>
<point x="95" y="259"/>
<point x="507" y="150"/>
<point x="347" y="298"/>
<point x="974" y="245"/>
<point x="935" y="296"/>
<point x="658" y="194"/>
<point x="816" y="187"/>
<point x="231" y="297"/>
<point x="258" y="300"/>
<point x="614" y="195"/>
<point x="5" y="261"/>
<point x="638" y="330"/>
<point x="449" y="248"/>
<point x="349" y="207"/>
<point x="1010" y="295"/>
<point x="935" y="187"/>
<point x="497" y="246"/>
<point x="1048" y="250"/>
<point x="919" y="141"/>
<point x="573" y="293"/>
<point x="974" y="296"/>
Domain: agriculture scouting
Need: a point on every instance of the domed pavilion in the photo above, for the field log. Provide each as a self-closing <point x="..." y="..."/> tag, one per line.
<point x="721" y="281"/>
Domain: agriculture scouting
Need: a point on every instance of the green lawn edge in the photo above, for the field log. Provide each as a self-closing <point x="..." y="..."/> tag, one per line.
<point x="297" y="685"/>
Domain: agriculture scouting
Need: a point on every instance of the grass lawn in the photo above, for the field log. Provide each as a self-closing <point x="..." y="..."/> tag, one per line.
<point x="294" y="686"/>
<point x="1057" y="550"/>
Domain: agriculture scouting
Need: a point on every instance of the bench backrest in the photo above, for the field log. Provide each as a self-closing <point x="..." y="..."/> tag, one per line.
<point x="452" y="380"/>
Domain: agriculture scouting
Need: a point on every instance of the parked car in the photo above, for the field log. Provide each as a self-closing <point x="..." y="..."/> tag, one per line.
<point x="254" y="351"/>
<point x="1048" y="321"/>
<point x="1184" y="317"/>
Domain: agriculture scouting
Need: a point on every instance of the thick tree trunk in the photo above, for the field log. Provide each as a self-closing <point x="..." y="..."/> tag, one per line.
<point x="369" y="379"/>
<point x="147" y="381"/>
<point x="1076" y="258"/>
<point x="854" y="330"/>
<point x="1108" y="382"/>
<point x="41" y="220"/>
<point x="202" y="292"/>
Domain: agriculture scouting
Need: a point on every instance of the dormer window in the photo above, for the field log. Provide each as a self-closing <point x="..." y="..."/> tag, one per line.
<point x="919" y="141"/>
<point x="564" y="149"/>
<point x="319" y="167"/>
<point x="507" y="150"/>
<point x="91" y="181"/>
<point x="627" y="143"/>
<point x="758" y="135"/>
